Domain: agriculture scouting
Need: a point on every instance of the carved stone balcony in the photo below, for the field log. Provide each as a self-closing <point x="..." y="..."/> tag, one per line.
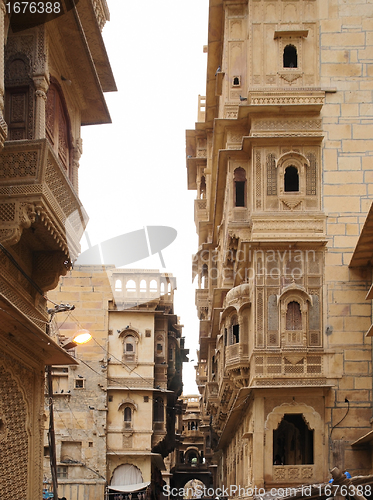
<point x="35" y="188"/>
<point x="212" y="392"/>
<point x="299" y="369"/>
<point x="239" y="295"/>
<point x="35" y="191"/>
<point x="236" y="355"/>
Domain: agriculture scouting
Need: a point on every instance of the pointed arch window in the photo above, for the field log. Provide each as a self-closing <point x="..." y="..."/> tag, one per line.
<point x="290" y="57"/>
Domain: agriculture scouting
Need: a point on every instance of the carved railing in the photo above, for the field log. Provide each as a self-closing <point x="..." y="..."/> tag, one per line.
<point x="296" y="369"/>
<point x="236" y="354"/>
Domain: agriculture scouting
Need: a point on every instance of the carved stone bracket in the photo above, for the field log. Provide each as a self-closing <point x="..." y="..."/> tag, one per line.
<point x="290" y="77"/>
<point x="47" y="269"/>
<point x="15" y="217"/>
<point x="292" y="203"/>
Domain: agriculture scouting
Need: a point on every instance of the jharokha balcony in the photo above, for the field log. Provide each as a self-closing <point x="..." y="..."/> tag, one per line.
<point x="39" y="210"/>
<point x="35" y="189"/>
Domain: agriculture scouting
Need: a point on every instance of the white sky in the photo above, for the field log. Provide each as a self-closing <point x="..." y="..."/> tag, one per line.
<point x="133" y="172"/>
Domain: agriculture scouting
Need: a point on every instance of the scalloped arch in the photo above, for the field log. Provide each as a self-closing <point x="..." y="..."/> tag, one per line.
<point x="294" y="290"/>
<point x="127" y="402"/>
<point x="310" y="415"/>
<point x="291" y="156"/>
<point x="130" y="331"/>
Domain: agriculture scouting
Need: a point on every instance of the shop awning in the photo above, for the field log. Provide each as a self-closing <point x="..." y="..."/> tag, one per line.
<point x="129" y="488"/>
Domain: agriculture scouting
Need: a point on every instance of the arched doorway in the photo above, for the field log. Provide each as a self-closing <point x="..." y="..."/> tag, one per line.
<point x="127" y="478"/>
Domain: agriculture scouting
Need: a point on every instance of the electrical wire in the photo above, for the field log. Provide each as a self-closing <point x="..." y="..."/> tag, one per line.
<point x="348" y="409"/>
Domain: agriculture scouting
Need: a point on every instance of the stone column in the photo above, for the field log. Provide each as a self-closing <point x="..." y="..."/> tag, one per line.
<point x="41" y="85"/>
<point x="3" y="125"/>
<point x="77" y="153"/>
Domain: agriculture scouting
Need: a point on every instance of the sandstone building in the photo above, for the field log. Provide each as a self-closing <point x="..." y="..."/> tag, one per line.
<point x="116" y="410"/>
<point x="52" y="78"/>
<point x="281" y="159"/>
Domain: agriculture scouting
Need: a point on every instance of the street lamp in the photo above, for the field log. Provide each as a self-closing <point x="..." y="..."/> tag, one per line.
<point x="81" y="337"/>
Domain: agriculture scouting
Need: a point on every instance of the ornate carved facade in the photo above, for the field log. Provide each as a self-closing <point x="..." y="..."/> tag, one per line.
<point x="52" y="79"/>
<point x="280" y="167"/>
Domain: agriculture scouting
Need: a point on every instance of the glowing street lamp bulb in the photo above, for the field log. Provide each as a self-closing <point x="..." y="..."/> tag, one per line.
<point x="82" y="337"/>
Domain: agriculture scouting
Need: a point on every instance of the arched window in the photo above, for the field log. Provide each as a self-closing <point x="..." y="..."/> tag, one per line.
<point x="142" y="286"/>
<point x="290" y="57"/>
<point x="129" y="344"/>
<point x="127" y="414"/>
<point x="293" y="441"/>
<point x="293" y="316"/>
<point x="153" y="286"/>
<point x="118" y="285"/>
<point x="291" y="179"/>
<point x="131" y="286"/>
<point x="192" y="457"/>
<point x="158" y="410"/>
<point x="239" y="187"/>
